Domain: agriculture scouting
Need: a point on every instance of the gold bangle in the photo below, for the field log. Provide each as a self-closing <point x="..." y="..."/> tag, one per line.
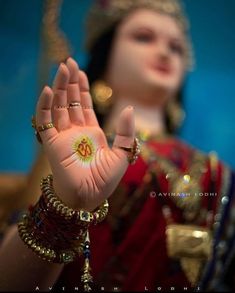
<point x="46" y="253"/>
<point x="37" y="232"/>
<point x="60" y="208"/>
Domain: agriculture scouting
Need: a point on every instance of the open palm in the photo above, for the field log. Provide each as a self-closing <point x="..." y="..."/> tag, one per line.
<point x="86" y="170"/>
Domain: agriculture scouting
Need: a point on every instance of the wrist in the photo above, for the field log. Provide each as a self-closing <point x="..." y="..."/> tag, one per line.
<point x="58" y="206"/>
<point x="74" y="199"/>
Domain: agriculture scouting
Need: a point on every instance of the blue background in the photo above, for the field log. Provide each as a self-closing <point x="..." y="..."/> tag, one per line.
<point x="209" y="94"/>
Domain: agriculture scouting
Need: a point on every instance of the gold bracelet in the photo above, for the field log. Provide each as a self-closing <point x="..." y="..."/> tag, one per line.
<point x="46" y="252"/>
<point x="57" y="233"/>
<point x="60" y="208"/>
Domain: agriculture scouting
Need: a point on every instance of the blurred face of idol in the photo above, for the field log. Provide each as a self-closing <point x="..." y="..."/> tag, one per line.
<point x="148" y="56"/>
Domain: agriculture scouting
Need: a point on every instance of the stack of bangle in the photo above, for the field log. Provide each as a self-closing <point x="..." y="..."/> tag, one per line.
<point x="57" y="233"/>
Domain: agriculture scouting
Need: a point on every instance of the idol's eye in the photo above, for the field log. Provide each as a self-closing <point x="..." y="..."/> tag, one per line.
<point x="143" y="37"/>
<point x="177" y="48"/>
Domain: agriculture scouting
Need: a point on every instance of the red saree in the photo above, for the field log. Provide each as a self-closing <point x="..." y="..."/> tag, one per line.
<point x="128" y="250"/>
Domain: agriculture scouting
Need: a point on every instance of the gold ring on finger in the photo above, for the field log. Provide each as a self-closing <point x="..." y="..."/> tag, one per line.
<point x="33" y="123"/>
<point x="44" y="127"/>
<point x="134" y="151"/>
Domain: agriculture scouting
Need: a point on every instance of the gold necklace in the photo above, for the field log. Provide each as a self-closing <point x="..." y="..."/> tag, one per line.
<point x="190" y="244"/>
<point x="184" y="188"/>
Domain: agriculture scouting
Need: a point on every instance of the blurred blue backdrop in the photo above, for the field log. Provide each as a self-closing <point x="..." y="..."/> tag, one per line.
<point x="209" y="93"/>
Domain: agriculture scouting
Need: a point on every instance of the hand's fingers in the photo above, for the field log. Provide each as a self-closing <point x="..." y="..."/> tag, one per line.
<point x="60" y="113"/>
<point x="125" y="130"/>
<point x="74" y="100"/>
<point x="43" y="114"/>
<point x="86" y="101"/>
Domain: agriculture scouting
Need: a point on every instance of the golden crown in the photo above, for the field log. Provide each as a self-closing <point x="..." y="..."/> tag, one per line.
<point x="105" y="13"/>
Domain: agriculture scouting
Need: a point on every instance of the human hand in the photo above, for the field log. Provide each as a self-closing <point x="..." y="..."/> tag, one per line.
<point x="85" y="169"/>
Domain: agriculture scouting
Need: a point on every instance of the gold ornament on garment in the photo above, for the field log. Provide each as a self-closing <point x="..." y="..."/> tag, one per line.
<point x="184" y="187"/>
<point x="190" y="244"/>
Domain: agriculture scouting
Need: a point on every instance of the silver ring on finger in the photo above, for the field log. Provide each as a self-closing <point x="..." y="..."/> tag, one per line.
<point x="74" y="105"/>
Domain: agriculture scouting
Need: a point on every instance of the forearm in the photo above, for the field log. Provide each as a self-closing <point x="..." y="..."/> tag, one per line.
<point x="21" y="269"/>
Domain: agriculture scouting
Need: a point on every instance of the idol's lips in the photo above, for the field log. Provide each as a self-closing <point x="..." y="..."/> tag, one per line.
<point x="162" y="68"/>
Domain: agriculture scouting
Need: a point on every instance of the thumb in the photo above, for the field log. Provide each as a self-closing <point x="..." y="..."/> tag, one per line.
<point x="125" y="129"/>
